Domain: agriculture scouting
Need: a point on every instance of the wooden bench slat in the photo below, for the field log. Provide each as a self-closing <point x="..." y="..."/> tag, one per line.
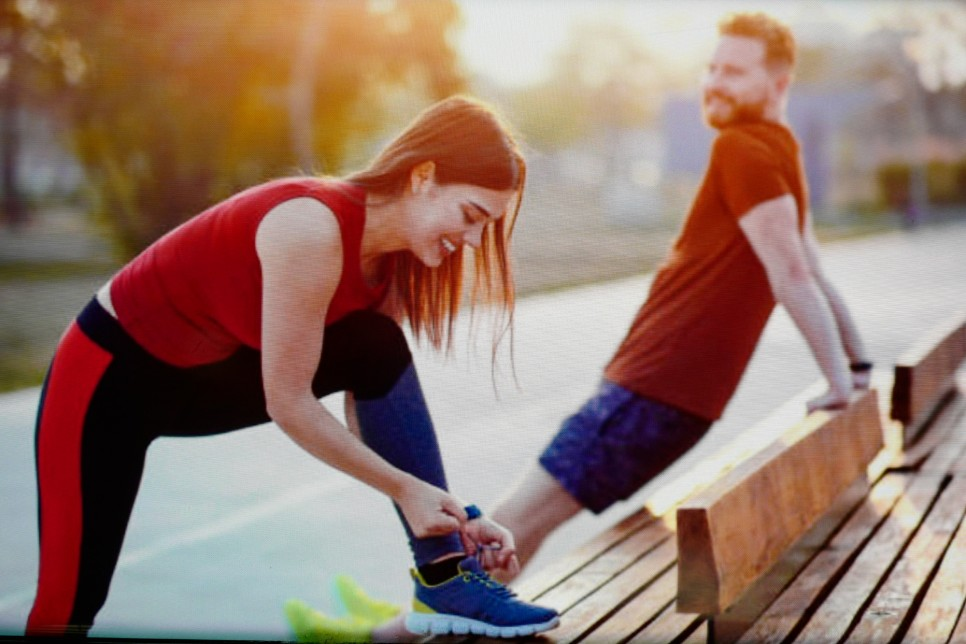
<point x="730" y="535"/>
<point x="936" y="618"/>
<point x="959" y="633"/>
<point x="633" y="547"/>
<point x="915" y="455"/>
<point x="959" y="467"/>
<point x="641" y="610"/>
<point x="646" y="548"/>
<point x="730" y="625"/>
<point x="925" y="372"/>
<point x="944" y="438"/>
<point x="834" y="617"/>
<point x="578" y="618"/>
<point x="882" y="619"/>
<point x="700" y="635"/>
<point x="786" y="613"/>
<point x="670" y="626"/>
<point x="533" y="586"/>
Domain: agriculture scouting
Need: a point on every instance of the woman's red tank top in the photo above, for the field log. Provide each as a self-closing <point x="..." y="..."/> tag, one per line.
<point x="195" y="295"/>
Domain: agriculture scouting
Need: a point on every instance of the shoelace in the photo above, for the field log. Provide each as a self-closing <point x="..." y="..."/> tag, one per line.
<point x="492" y="584"/>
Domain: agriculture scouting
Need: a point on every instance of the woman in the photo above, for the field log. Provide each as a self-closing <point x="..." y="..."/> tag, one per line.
<point x="258" y="307"/>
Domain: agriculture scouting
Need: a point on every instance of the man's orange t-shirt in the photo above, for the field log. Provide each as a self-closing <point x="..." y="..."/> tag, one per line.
<point x="710" y="300"/>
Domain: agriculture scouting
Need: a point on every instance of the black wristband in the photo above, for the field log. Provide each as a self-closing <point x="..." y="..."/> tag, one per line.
<point x="472" y="512"/>
<point x="858" y="367"/>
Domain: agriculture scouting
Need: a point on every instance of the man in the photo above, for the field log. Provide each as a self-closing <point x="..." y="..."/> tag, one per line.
<point x="747" y="243"/>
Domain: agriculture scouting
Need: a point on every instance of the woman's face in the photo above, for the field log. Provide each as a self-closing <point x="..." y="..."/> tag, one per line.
<point x="445" y="217"/>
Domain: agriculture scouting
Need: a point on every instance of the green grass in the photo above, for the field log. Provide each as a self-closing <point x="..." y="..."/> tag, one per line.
<point x="27" y="271"/>
<point x="15" y="374"/>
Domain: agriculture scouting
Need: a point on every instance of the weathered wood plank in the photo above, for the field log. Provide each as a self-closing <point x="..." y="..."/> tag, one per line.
<point x="729" y="536"/>
<point x="943" y="603"/>
<point x="882" y="619"/>
<point x="959" y="635"/>
<point x="926" y="373"/>
<point x="584" y="613"/>
<point x="938" y="435"/>
<point x="700" y="635"/>
<point x="670" y="626"/>
<point x="641" y="610"/>
<point x="786" y="614"/>
<point x="730" y="625"/>
<point x="959" y="467"/>
<point x="837" y="612"/>
<point x="556" y="572"/>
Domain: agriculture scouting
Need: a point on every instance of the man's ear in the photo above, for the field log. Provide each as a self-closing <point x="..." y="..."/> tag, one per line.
<point x="422" y="175"/>
<point x="783" y="80"/>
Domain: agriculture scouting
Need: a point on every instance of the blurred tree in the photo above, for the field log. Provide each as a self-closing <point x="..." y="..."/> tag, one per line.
<point x="604" y="79"/>
<point x="186" y="101"/>
<point x="37" y="60"/>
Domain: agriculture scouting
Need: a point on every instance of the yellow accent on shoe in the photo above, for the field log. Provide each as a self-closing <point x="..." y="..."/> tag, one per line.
<point x="420" y="607"/>
<point x="310" y="625"/>
<point x="359" y="604"/>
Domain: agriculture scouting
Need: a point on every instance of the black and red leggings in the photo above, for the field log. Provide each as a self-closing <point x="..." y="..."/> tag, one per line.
<point x="103" y="403"/>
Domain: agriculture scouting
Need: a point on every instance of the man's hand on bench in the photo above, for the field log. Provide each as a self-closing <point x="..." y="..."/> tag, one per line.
<point x="832" y="400"/>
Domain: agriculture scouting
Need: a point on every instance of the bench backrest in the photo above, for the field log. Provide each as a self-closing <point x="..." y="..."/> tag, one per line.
<point x="925" y="375"/>
<point x="732" y="534"/>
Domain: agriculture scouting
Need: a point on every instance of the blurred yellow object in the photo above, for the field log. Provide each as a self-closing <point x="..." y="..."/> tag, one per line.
<point x="359" y="604"/>
<point x="310" y="625"/>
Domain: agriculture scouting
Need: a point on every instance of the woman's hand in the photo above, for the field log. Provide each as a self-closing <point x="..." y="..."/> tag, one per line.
<point x="496" y="543"/>
<point x="430" y="511"/>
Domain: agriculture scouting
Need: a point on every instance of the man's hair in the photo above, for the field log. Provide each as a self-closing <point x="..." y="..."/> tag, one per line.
<point x="777" y="36"/>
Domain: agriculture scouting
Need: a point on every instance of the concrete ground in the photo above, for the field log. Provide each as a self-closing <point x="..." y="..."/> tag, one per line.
<point x="227" y="528"/>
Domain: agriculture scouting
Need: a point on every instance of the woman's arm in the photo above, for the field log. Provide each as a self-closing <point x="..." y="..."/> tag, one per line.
<point x="300" y="249"/>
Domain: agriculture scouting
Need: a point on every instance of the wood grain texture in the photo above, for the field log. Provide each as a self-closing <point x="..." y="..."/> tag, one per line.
<point x="894" y="600"/>
<point x="787" y="613"/>
<point x="731" y="535"/>
<point x="943" y="603"/>
<point x="841" y="608"/>
<point x="926" y="373"/>
<point x="558" y="571"/>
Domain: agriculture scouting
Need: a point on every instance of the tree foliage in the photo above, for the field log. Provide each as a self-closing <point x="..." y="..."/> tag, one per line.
<point x="185" y="102"/>
<point x="37" y="60"/>
<point x="605" y="77"/>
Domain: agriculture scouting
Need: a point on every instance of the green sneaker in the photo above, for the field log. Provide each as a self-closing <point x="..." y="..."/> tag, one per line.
<point x="358" y="604"/>
<point x="309" y="625"/>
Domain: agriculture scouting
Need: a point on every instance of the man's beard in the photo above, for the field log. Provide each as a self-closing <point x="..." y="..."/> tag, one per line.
<point x="740" y="112"/>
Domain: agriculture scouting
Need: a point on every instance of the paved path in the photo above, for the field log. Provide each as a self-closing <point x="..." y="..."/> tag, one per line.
<point x="227" y="528"/>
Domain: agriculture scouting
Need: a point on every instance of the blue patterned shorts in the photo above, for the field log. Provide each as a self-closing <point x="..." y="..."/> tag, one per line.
<point x="617" y="442"/>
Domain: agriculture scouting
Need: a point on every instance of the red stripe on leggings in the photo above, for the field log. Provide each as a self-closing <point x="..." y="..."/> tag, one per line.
<point x="76" y="370"/>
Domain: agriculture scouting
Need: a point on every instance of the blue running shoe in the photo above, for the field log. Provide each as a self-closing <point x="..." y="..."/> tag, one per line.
<point x="472" y="602"/>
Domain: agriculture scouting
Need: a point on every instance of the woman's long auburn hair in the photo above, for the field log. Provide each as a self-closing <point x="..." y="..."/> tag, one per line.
<point x="468" y="144"/>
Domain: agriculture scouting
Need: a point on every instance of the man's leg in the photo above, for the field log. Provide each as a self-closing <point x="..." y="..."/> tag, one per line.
<point x="536" y="506"/>
<point x="604" y="453"/>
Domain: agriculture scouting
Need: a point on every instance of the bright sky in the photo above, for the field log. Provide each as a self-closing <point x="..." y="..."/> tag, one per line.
<point x="514" y="41"/>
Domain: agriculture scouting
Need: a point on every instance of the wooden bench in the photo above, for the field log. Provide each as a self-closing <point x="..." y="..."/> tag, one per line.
<point x="732" y="534"/>
<point x="763" y="550"/>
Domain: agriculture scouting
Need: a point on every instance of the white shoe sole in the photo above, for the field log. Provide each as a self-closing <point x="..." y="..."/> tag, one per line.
<point x="443" y="624"/>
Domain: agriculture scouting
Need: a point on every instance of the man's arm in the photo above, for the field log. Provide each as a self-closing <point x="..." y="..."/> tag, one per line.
<point x="848" y="331"/>
<point x="771" y="229"/>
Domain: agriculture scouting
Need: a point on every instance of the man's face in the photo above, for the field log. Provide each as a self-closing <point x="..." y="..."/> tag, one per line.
<point x="737" y="87"/>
